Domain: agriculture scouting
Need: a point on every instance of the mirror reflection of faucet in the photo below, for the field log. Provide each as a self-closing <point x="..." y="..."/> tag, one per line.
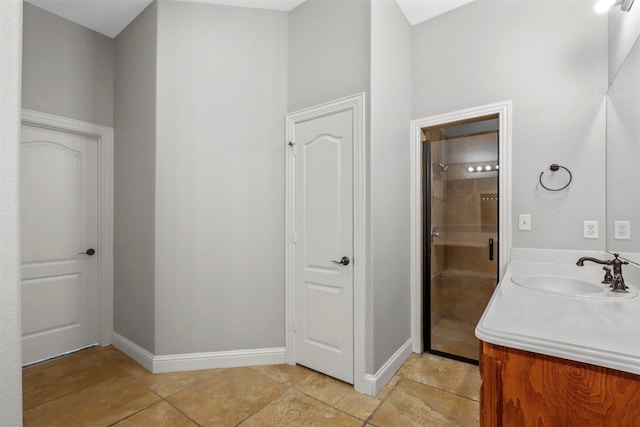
<point x="434" y="234"/>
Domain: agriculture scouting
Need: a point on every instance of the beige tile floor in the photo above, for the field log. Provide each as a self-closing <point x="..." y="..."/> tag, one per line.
<point x="104" y="387"/>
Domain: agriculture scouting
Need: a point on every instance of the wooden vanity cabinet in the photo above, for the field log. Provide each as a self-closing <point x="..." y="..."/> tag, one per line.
<point x="521" y="388"/>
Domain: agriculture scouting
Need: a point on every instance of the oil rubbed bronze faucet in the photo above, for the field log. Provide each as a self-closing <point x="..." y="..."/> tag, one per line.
<point x="617" y="281"/>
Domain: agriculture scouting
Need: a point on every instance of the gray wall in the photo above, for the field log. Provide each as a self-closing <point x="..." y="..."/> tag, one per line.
<point x="135" y="180"/>
<point x="67" y="69"/>
<point x="10" y="322"/>
<point x="221" y="102"/>
<point x="389" y="180"/>
<point x="623" y="154"/>
<point x="550" y="58"/>
<point x="329" y="51"/>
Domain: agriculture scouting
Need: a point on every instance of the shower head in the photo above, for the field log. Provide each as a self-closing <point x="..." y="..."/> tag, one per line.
<point x="443" y="167"/>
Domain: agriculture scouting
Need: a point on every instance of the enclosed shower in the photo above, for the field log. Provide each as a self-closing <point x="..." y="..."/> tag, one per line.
<point x="460" y="170"/>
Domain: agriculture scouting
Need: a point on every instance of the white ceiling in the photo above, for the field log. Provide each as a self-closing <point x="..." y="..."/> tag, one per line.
<point x="109" y="17"/>
<point x="418" y="11"/>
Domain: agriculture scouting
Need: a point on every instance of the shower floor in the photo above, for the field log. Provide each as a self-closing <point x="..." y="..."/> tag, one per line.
<point x="455" y="337"/>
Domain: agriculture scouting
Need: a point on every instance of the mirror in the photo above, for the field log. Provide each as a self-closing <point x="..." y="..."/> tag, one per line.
<point x="623" y="159"/>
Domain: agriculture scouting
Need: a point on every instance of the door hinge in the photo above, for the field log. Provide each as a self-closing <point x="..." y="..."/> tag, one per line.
<point x="293" y="147"/>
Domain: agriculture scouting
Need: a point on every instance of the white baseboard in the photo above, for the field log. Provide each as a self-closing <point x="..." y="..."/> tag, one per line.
<point x="218" y="359"/>
<point x="133" y="350"/>
<point x="386" y="372"/>
<point x="196" y="361"/>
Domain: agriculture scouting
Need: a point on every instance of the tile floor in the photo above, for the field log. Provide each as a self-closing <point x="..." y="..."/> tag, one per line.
<point x="104" y="387"/>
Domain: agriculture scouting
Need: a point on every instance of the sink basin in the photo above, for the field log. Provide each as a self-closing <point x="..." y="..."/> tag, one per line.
<point x="571" y="286"/>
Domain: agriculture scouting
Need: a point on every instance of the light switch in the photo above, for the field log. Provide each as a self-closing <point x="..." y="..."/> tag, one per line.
<point x="525" y="222"/>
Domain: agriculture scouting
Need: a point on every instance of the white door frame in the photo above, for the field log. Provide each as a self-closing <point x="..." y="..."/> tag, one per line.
<point x="503" y="110"/>
<point x="104" y="250"/>
<point x="355" y="104"/>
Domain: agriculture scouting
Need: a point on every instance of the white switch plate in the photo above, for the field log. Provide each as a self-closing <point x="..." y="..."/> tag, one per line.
<point x="622" y="230"/>
<point x="525" y="222"/>
<point x="591" y="229"/>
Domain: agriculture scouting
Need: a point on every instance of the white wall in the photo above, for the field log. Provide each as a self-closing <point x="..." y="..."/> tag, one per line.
<point x="135" y="180"/>
<point x="550" y="58"/>
<point x="67" y="69"/>
<point x="10" y="324"/>
<point x="389" y="180"/>
<point x="329" y="51"/>
<point x="624" y="29"/>
<point x="221" y="102"/>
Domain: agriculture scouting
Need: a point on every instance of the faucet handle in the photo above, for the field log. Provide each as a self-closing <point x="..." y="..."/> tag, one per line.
<point x="621" y="262"/>
<point x="608" y="277"/>
<point x="618" y="284"/>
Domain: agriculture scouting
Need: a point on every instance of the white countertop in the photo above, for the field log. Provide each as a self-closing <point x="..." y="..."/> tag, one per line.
<point x="603" y="332"/>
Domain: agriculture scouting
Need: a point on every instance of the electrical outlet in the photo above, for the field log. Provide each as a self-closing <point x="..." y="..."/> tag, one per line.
<point x="591" y="229"/>
<point x="524" y="222"/>
<point x="622" y="230"/>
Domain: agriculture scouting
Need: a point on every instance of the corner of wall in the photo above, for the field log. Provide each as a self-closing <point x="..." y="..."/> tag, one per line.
<point x="10" y="319"/>
<point x="389" y="194"/>
<point x="134" y="180"/>
<point x="375" y="383"/>
<point x="623" y="32"/>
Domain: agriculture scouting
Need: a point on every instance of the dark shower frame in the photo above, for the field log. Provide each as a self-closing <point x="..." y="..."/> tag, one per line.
<point x="426" y="257"/>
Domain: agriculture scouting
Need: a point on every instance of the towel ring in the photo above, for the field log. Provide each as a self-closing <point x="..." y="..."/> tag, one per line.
<point x="555" y="167"/>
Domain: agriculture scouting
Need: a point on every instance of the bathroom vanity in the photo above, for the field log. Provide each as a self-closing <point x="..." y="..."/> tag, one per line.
<point x="565" y="354"/>
<point x="522" y="388"/>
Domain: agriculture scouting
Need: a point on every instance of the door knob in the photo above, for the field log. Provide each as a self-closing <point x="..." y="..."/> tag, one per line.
<point x="89" y="252"/>
<point x="343" y="261"/>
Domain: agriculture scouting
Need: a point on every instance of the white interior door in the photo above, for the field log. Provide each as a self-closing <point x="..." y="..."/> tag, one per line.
<point x="324" y="237"/>
<point x="59" y="214"/>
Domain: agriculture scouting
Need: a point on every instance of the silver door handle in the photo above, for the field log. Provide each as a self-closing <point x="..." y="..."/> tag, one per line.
<point x="89" y="252"/>
<point x="343" y="261"/>
<point x="434" y="234"/>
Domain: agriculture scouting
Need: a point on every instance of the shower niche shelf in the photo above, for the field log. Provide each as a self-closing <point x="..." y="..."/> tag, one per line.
<point x="465" y="239"/>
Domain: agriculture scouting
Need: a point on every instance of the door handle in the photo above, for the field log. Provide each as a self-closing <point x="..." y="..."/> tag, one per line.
<point x="490" y="249"/>
<point x="89" y="252"/>
<point x="343" y="261"/>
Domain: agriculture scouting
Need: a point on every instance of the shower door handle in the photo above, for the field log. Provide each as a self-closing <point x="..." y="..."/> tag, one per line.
<point x="490" y="249"/>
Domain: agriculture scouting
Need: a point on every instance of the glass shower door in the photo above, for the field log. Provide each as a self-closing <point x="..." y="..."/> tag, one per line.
<point x="461" y="239"/>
